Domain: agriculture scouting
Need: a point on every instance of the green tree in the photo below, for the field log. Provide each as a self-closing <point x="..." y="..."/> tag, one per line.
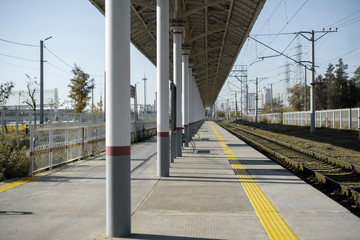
<point x="296" y="96"/>
<point x="353" y="97"/>
<point x="277" y="104"/>
<point x="321" y="92"/>
<point x="356" y="77"/>
<point x="97" y="109"/>
<point x="5" y="91"/>
<point x="356" y="83"/>
<point x="342" y="78"/>
<point x="220" y="113"/>
<point x="333" y="86"/>
<point x="80" y="88"/>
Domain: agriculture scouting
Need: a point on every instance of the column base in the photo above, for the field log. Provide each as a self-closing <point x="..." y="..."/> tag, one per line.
<point x="118" y="201"/>
<point x="179" y="142"/>
<point x="163" y="160"/>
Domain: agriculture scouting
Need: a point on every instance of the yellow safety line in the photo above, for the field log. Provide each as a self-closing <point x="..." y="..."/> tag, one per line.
<point x="16" y="184"/>
<point x="271" y="220"/>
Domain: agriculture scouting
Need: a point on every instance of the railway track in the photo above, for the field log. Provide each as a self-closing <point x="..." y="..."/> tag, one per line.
<point x="339" y="179"/>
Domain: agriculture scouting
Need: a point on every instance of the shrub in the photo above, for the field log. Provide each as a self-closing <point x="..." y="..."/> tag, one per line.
<point x="14" y="161"/>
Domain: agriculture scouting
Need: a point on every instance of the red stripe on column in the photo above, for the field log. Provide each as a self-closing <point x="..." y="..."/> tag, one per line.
<point x="162" y="134"/>
<point x="185" y="125"/>
<point x="179" y="128"/>
<point x="117" y="151"/>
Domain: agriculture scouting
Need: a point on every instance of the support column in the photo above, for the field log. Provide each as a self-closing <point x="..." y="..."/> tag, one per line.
<point x="118" y="201"/>
<point x="191" y="102"/>
<point x="185" y="92"/>
<point x="177" y="31"/>
<point x="162" y="63"/>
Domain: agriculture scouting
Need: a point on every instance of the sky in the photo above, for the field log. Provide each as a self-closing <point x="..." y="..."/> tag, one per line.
<point x="77" y="29"/>
<point x="289" y="16"/>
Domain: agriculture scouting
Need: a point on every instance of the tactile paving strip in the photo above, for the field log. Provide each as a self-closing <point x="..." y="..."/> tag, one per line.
<point x="271" y="220"/>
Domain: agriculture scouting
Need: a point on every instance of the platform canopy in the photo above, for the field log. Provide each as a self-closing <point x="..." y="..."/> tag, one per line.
<point x="215" y="30"/>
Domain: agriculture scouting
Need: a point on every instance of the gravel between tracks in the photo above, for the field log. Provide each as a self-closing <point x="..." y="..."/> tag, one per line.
<point x="340" y="144"/>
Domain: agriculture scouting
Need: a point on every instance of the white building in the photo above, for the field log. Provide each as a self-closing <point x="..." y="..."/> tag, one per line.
<point x="264" y="95"/>
<point x="251" y="101"/>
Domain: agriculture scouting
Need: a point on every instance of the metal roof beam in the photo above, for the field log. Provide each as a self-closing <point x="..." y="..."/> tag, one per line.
<point x="223" y="41"/>
<point x="142" y="21"/>
<point x="205" y="5"/>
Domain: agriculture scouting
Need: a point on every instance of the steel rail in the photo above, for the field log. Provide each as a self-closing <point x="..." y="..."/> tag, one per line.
<point x="336" y="187"/>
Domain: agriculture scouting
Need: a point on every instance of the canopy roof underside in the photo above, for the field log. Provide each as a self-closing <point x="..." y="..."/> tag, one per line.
<point x="215" y="31"/>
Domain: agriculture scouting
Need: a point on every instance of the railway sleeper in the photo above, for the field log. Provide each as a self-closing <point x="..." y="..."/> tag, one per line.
<point x="326" y="159"/>
<point x="343" y="194"/>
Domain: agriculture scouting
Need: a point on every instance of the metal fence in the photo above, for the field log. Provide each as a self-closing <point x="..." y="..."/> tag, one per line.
<point x="64" y="138"/>
<point x="348" y="118"/>
<point x="269" y="117"/>
<point x="339" y="118"/>
<point x="17" y="121"/>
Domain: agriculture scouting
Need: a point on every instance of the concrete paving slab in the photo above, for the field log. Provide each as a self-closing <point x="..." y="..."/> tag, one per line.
<point x="202" y="198"/>
<point x="308" y="212"/>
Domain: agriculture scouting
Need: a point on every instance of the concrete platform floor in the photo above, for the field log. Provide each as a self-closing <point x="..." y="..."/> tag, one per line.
<point x="202" y="198"/>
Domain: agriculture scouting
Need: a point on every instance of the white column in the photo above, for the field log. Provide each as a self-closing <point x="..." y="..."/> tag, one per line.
<point x="185" y="90"/>
<point x="191" y="100"/>
<point x="117" y="48"/>
<point x="162" y="63"/>
<point x="188" y="103"/>
<point x="177" y="31"/>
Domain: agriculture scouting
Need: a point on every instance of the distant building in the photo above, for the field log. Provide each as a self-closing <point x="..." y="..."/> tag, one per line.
<point x="251" y="101"/>
<point x="264" y="96"/>
<point x="222" y="108"/>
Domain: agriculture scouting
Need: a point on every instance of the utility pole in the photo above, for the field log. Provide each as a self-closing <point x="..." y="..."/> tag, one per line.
<point x="241" y="104"/>
<point x="144" y="79"/>
<point x="92" y="94"/>
<point x="312" y="82"/>
<point x="236" y="107"/>
<point x="135" y="104"/>
<point x="312" y="68"/>
<point x="271" y="102"/>
<point x="305" y="92"/>
<point x="247" y="100"/>
<point x="42" y="80"/>
<point x="256" y="100"/>
<point x="240" y="73"/>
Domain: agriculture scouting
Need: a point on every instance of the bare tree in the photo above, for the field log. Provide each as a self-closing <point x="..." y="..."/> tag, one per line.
<point x="30" y="100"/>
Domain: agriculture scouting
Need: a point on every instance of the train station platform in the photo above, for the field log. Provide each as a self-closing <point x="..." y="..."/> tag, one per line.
<point x="223" y="190"/>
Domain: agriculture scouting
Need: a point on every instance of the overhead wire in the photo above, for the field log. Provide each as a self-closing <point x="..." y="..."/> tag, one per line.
<point x="289" y="44"/>
<point x="37" y="69"/>
<point x="26" y="59"/>
<point x="350" y="22"/>
<point x="271" y="15"/>
<point x="340" y="56"/>
<point x="279" y="33"/>
<point x="67" y="64"/>
<point x="343" y="18"/>
<point x="62" y="70"/>
<point x="23" y="44"/>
